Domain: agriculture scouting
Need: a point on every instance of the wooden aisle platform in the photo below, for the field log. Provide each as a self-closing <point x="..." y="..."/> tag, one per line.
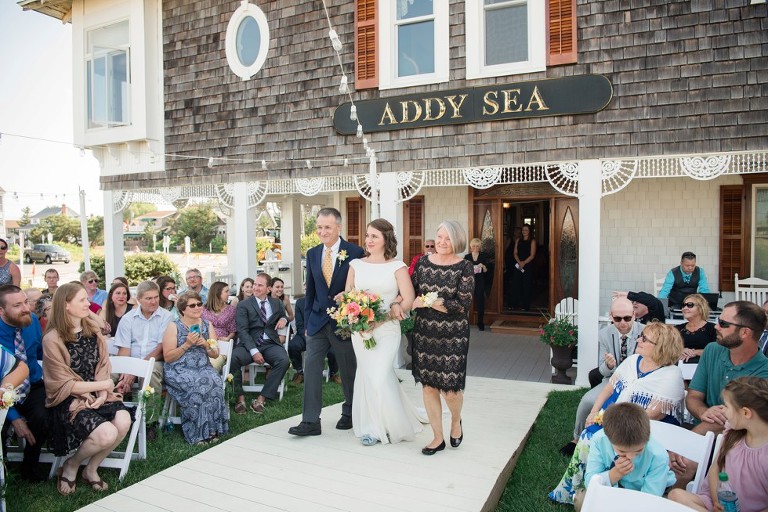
<point x="266" y="469"/>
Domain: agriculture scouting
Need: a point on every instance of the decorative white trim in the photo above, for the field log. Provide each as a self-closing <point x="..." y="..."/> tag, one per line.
<point x="408" y="184"/>
<point x="564" y="177"/>
<point x="309" y="186"/>
<point x="246" y="10"/>
<point x="616" y="174"/>
<point x="482" y="178"/>
<point x="120" y="200"/>
<point x="225" y="193"/>
<point x="705" y="168"/>
<point x="170" y="194"/>
<point x="363" y="185"/>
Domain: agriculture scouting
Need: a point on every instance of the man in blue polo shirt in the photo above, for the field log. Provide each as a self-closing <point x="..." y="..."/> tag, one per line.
<point x="735" y="354"/>
<point x="28" y="416"/>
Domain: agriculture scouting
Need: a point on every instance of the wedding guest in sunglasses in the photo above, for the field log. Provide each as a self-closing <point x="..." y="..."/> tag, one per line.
<point x="96" y="295"/>
<point x="697" y="333"/>
<point x="616" y="342"/>
<point x="429" y="248"/>
<point x="684" y="280"/>
<point x="647" y="307"/>
<point x="9" y="271"/>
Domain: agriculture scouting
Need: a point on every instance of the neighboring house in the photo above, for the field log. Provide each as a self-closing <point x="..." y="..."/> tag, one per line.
<point x="11" y="231"/>
<point x="50" y="211"/>
<point x="133" y="232"/>
<point x="625" y="133"/>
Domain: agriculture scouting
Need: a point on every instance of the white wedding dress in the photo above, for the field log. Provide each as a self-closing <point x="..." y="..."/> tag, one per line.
<point x="380" y="407"/>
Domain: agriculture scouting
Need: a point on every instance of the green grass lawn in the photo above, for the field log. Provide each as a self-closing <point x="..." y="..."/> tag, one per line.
<point x="538" y="469"/>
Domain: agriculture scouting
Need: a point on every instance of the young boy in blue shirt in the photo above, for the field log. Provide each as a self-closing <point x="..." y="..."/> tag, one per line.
<point x="623" y="454"/>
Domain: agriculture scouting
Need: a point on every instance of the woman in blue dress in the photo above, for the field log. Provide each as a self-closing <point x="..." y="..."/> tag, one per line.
<point x="189" y="376"/>
<point x="649" y="378"/>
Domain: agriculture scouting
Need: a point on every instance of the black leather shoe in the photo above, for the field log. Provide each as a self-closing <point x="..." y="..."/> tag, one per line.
<point x="568" y="449"/>
<point x="305" y="429"/>
<point x="431" y="451"/>
<point x="456" y="441"/>
<point x="345" y="423"/>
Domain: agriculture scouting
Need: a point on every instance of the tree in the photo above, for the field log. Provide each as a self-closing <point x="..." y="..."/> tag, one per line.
<point x="199" y="223"/>
<point x="136" y="209"/>
<point x="149" y="233"/>
<point x="62" y="227"/>
<point x="96" y="230"/>
<point x="26" y="216"/>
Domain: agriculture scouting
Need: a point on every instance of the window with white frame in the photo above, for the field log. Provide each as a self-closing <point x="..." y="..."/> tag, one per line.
<point x="505" y="37"/>
<point x="760" y="232"/>
<point x="108" y="80"/>
<point x="247" y="40"/>
<point x="414" y="43"/>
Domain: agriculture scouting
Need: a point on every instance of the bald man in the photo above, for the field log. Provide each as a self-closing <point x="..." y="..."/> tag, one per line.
<point x="616" y="342"/>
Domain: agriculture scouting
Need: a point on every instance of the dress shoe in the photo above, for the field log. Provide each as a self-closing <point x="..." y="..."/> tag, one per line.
<point x="456" y="441"/>
<point x="298" y="378"/>
<point x="344" y="423"/>
<point x="151" y="432"/>
<point x="481" y="327"/>
<point x="305" y="428"/>
<point x="431" y="451"/>
<point x="337" y="379"/>
<point x="568" y="449"/>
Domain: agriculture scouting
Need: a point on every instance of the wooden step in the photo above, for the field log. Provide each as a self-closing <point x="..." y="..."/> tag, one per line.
<point x="523" y="327"/>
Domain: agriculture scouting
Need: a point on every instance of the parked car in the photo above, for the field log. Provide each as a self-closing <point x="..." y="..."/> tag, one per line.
<point x="47" y="253"/>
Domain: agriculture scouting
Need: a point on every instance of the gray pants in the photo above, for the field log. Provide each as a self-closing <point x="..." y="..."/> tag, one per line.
<point x="314" y="361"/>
<point x="274" y="355"/>
<point x="585" y="405"/>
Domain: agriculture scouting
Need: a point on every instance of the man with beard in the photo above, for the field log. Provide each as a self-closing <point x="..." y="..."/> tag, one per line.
<point x="734" y="355"/>
<point x="28" y="416"/>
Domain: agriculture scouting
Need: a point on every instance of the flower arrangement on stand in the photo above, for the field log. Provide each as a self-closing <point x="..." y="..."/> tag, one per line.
<point x="562" y="335"/>
<point x="149" y="403"/>
<point x="356" y="312"/>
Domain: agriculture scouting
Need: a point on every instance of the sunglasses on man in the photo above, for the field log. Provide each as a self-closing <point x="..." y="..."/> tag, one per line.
<point x="724" y="324"/>
<point x="618" y="319"/>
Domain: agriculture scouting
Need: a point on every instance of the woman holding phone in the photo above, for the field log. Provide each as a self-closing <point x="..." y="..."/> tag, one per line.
<point x="189" y="376"/>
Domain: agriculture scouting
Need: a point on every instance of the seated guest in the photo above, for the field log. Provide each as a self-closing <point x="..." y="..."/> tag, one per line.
<point x="96" y="296"/>
<point x="684" y="280"/>
<point x="124" y="280"/>
<point x="33" y="295"/>
<point x="85" y="413"/>
<point x="246" y="289"/>
<point x="623" y="454"/>
<point x="189" y="376"/>
<point x="220" y="313"/>
<point x="763" y="342"/>
<point x="51" y="282"/>
<point x="298" y="345"/>
<point x="195" y="283"/>
<point x="616" y="342"/>
<point x="140" y="334"/>
<point x="258" y="320"/>
<point x="168" y="294"/>
<point x="42" y="310"/>
<point x="116" y="306"/>
<point x="20" y="334"/>
<point x="647" y="307"/>
<point x="277" y="290"/>
<point x="649" y="378"/>
<point x="697" y="333"/>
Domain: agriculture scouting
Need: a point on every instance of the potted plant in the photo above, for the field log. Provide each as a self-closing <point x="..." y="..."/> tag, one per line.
<point x="406" y="328"/>
<point x="561" y="335"/>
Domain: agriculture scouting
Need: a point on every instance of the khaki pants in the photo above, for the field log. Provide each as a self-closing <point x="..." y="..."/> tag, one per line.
<point x="578" y="499"/>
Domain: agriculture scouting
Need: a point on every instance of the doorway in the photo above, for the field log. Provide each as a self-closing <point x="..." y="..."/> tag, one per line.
<point x="526" y="285"/>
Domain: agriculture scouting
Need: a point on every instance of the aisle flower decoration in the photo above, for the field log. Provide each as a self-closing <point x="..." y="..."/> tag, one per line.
<point x="149" y="398"/>
<point x="356" y="312"/>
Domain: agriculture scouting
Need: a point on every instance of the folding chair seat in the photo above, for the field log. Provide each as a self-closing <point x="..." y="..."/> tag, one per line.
<point x="250" y="385"/>
<point x="689" y="444"/>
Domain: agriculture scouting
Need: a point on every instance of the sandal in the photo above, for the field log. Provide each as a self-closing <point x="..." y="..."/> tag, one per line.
<point x="258" y="407"/>
<point x="97" y="485"/>
<point x="71" y="486"/>
<point x="240" y="408"/>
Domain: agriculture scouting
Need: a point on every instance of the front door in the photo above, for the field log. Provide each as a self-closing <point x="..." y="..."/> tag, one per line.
<point x="565" y="250"/>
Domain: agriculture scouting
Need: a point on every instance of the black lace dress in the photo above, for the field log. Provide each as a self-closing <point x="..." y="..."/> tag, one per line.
<point x="68" y="435"/>
<point x="441" y="340"/>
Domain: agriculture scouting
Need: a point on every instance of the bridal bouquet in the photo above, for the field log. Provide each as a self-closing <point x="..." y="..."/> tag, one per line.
<point x="356" y="311"/>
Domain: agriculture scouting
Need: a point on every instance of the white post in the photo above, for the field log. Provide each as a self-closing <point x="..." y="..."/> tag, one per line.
<point x="245" y="233"/>
<point x="291" y="229"/>
<point x="590" y="189"/>
<point x="21" y="253"/>
<point x="389" y="208"/>
<point x="114" y="258"/>
<point x="373" y="179"/>
<point x="84" y="232"/>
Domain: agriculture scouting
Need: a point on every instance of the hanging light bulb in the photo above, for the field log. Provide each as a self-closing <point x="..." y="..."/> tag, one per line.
<point x="309" y="164"/>
<point x="346" y="163"/>
<point x="335" y="41"/>
<point x="344" y="85"/>
<point x="353" y="113"/>
<point x="359" y="133"/>
<point x="263" y="165"/>
<point x="365" y="144"/>
<point x="210" y="162"/>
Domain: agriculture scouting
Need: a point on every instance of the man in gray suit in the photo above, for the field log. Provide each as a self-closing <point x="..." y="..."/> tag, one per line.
<point x="616" y="342"/>
<point x="258" y="319"/>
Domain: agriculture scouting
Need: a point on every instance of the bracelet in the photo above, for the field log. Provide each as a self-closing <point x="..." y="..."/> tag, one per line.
<point x="395" y="304"/>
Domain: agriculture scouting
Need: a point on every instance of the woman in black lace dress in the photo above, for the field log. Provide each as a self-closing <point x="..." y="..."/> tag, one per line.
<point x="441" y="330"/>
<point x="86" y="414"/>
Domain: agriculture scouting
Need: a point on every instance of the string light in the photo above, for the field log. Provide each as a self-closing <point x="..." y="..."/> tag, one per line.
<point x="353" y="113"/>
<point x="335" y="41"/>
<point x="309" y="164"/>
<point x="210" y="162"/>
<point x="359" y="133"/>
<point x="344" y="85"/>
<point x="263" y="165"/>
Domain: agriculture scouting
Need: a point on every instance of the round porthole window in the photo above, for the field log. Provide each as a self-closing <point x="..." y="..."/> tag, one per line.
<point x="247" y="40"/>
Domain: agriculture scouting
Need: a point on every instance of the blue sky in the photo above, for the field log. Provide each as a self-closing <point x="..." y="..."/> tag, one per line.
<point x="36" y="101"/>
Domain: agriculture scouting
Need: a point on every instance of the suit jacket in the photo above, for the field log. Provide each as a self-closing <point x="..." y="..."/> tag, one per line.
<point x="609" y="340"/>
<point x="299" y="319"/>
<point x="319" y="295"/>
<point x="250" y="326"/>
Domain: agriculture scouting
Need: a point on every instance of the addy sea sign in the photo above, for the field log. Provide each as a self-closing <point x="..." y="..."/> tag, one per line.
<point x="553" y="97"/>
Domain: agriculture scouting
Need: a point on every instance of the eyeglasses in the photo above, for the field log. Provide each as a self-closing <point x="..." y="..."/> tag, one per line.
<point x="195" y="305"/>
<point x="618" y="319"/>
<point x="724" y="324"/>
<point x="194" y="277"/>
<point x="5" y="247"/>
<point x="688" y="305"/>
<point x="91" y="281"/>
<point x="643" y="337"/>
<point x="429" y="246"/>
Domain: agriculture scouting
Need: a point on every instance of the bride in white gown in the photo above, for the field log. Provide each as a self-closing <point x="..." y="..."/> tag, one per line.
<point x="381" y="412"/>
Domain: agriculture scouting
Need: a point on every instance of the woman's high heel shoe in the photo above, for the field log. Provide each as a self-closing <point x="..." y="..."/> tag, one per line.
<point x="456" y="441"/>
<point x="431" y="451"/>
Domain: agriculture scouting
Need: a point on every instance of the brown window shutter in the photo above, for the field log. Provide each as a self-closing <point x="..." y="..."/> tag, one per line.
<point x="355" y="220"/>
<point x="731" y="235"/>
<point x="561" y="32"/>
<point x="366" y="41"/>
<point x="413" y="229"/>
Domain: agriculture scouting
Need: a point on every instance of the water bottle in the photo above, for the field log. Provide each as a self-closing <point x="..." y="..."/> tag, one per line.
<point x="726" y="496"/>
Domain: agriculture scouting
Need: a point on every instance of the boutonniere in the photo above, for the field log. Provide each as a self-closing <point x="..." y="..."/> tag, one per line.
<point x="342" y="256"/>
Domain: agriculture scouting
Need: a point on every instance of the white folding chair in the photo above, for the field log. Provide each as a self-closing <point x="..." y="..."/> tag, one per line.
<point x="170" y="406"/>
<point x="253" y="369"/>
<point x="601" y="497"/>
<point x="690" y="445"/>
<point x="687" y="369"/>
<point x="658" y="283"/>
<point x="3" y="414"/>
<point x="121" y="460"/>
<point x="111" y="348"/>
<point x="752" y="289"/>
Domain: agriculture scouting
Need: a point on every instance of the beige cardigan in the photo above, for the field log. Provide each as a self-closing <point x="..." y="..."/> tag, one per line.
<point x="59" y="377"/>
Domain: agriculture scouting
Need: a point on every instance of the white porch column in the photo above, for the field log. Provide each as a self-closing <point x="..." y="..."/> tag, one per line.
<point x="244" y="260"/>
<point x="232" y="247"/>
<point x="590" y="189"/>
<point x="114" y="258"/>
<point x="291" y="229"/>
<point x="389" y="208"/>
